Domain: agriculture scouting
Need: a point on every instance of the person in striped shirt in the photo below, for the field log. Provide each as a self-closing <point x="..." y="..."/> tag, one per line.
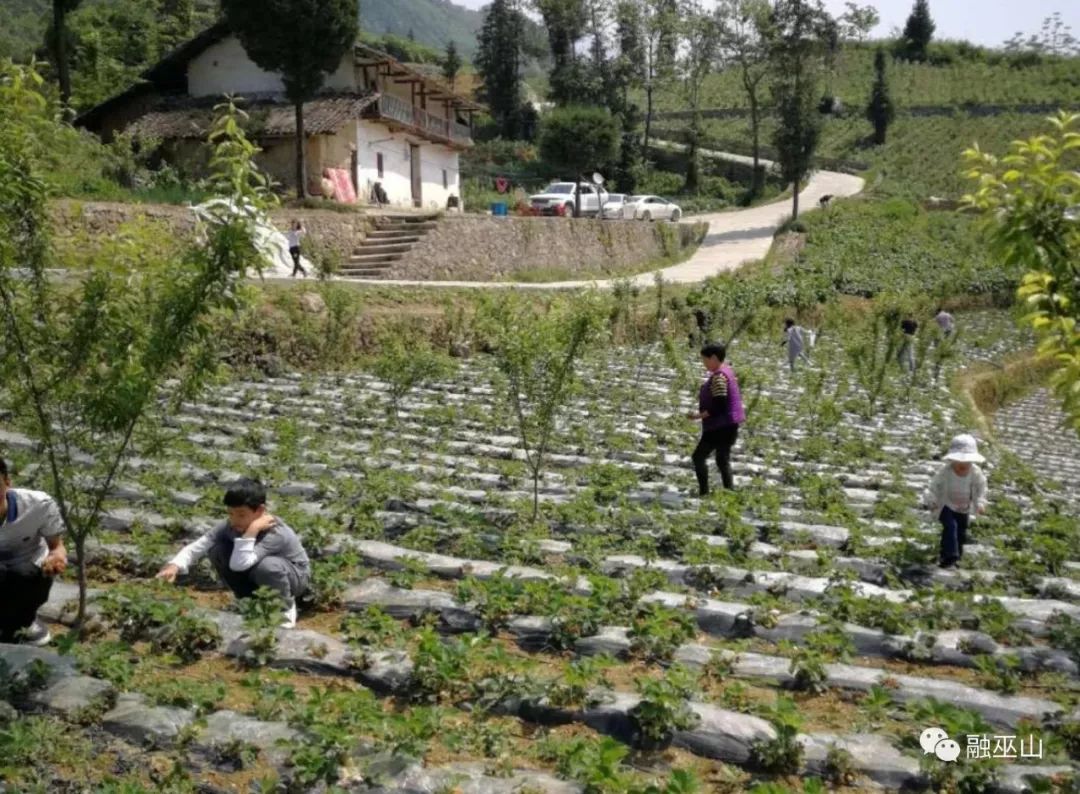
<point x="720" y="411"/>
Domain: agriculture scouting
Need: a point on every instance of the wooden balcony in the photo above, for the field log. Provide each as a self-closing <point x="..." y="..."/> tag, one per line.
<point x="399" y="113"/>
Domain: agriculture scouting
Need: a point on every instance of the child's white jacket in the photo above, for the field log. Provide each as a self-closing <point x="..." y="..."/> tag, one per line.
<point x="964" y="495"/>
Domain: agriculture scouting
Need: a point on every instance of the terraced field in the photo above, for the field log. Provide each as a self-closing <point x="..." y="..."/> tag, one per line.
<point x="794" y="635"/>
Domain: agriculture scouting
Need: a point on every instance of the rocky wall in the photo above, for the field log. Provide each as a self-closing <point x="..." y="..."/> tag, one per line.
<point x="484" y="248"/>
<point x="332" y="233"/>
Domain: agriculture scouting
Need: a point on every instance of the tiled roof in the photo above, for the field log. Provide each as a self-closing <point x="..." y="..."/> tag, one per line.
<point x="270" y="117"/>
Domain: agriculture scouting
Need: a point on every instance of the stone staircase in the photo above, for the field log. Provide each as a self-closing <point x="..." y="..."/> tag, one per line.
<point x="393" y="237"/>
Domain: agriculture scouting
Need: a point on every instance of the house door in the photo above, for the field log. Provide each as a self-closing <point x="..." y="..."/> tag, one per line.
<point x="417" y="184"/>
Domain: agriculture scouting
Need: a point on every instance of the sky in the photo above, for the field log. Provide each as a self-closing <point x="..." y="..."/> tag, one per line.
<point x="987" y="22"/>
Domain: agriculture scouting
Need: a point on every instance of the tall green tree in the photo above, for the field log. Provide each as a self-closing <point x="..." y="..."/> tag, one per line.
<point x="1032" y="203"/>
<point x="918" y="31"/>
<point x="881" y="110"/>
<point x="701" y="29"/>
<point x="743" y="44"/>
<point x="499" y="61"/>
<point x="60" y="11"/>
<point x="451" y="64"/>
<point x="660" y="27"/>
<point x="796" y="46"/>
<point x="573" y="80"/>
<point x="303" y="41"/>
<point x="580" y="140"/>
<point x="857" y="21"/>
<point x="94" y="362"/>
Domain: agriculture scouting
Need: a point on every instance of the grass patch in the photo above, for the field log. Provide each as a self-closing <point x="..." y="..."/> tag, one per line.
<point x="990" y="388"/>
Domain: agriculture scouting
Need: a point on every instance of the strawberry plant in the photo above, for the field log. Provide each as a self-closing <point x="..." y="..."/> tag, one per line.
<point x="262" y="613"/>
<point x="656" y="632"/>
<point x="783" y="754"/>
<point x="663" y="708"/>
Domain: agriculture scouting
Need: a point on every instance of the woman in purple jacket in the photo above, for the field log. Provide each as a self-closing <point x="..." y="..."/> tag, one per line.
<point x="720" y="411"/>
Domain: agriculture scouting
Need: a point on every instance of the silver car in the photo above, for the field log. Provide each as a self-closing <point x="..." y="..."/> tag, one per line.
<point x="650" y="208"/>
<point x="613" y="206"/>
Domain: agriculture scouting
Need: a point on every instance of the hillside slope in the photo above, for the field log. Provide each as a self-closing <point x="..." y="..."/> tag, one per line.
<point x="433" y="22"/>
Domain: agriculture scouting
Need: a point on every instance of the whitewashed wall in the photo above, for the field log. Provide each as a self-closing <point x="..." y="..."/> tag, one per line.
<point x="225" y="68"/>
<point x="373" y="138"/>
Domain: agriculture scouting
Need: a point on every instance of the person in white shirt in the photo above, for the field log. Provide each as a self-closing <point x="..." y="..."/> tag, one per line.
<point x="293" y="236"/>
<point x="945" y="322"/>
<point x="956" y="492"/>
<point x="252" y="549"/>
<point x="795" y="341"/>
<point x="31" y="554"/>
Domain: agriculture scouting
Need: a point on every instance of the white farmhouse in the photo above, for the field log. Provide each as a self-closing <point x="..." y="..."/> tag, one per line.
<point x="380" y="120"/>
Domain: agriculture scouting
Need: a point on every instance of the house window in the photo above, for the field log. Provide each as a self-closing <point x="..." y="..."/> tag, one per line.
<point x="445" y="180"/>
<point x="379" y="164"/>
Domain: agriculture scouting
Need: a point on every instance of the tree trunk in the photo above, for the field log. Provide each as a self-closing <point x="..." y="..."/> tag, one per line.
<point x="301" y="156"/>
<point x="648" y="122"/>
<point x="80" y="551"/>
<point x="795" y="198"/>
<point x="536" y="492"/>
<point x="63" y="70"/>
<point x="756" y="182"/>
<point x="577" y="196"/>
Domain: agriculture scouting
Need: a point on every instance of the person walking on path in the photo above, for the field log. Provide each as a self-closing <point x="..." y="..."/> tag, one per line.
<point x="31" y="554"/>
<point x="956" y="491"/>
<point x="795" y="339"/>
<point x="946" y="322"/>
<point x="293" y="235"/>
<point x="906" y="356"/>
<point x="252" y="549"/>
<point x="720" y="411"/>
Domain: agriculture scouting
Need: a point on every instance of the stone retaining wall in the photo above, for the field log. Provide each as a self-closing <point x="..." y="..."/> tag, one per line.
<point x="334" y="233"/>
<point x="480" y="248"/>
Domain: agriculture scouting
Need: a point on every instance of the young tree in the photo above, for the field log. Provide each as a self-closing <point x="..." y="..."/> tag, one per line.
<point x="660" y="21"/>
<point x="406" y="361"/>
<point x="880" y="111"/>
<point x="795" y="47"/>
<point x="857" y="22"/>
<point x="498" y="60"/>
<point x="537" y="352"/>
<point x="1032" y="201"/>
<point x="303" y="41"/>
<point x="451" y="64"/>
<point x="580" y="140"/>
<point x="1054" y="38"/>
<point x="918" y="30"/>
<point x="743" y="44"/>
<point x="701" y="28"/>
<point x="91" y="362"/>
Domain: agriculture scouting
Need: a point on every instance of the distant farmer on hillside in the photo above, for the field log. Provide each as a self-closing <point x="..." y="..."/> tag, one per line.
<point x="252" y="549"/>
<point x="31" y="554"/>
<point x="720" y="411"/>
<point x="945" y="322"/>
<point x="294" y="234"/>
<point x="704" y="323"/>
<point x="796" y="339"/>
<point x="906" y="356"/>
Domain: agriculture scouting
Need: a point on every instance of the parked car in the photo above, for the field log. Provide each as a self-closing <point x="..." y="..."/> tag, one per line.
<point x="558" y="199"/>
<point x="613" y="206"/>
<point x="650" y="208"/>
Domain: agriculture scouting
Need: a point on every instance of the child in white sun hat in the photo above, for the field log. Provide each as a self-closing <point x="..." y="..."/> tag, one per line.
<point x="957" y="491"/>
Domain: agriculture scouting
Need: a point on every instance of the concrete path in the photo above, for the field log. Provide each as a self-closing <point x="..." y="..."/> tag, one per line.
<point x="733" y="238"/>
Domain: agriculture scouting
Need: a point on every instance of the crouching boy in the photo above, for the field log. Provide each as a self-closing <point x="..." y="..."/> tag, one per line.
<point x="252" y="549"/>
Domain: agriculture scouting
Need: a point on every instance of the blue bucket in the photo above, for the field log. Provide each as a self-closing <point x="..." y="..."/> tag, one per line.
<point x="499" y="209"/>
